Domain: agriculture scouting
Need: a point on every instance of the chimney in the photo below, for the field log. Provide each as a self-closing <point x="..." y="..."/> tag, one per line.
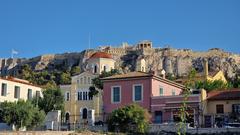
<point x="205" y="67"/>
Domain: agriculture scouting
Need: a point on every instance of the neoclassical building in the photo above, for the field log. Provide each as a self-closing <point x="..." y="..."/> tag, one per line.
<point x="79" y="106"/>
<point x="12" y="89"/>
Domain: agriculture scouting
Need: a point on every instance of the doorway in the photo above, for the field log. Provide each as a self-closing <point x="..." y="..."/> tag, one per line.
<point x="158" y="116"/>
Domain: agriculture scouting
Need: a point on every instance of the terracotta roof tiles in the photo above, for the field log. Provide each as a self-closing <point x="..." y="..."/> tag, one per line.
<point x="231" y="94"/>
<point x="101" y="55"/>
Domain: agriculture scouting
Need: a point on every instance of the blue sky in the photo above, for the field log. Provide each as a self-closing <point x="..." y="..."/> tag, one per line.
<point x="35" y="27"/>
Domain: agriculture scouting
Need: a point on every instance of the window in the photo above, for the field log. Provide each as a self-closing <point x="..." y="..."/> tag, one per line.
<point x="79" y="95"/>
<point x="95" y="69"/>
<point x="16" y="92"/>
<point x="85" y="80"/>
<point x="4" y="89"/>
<point x="116" y="94"/>
<point x="219" y="109"/>
<point x="37" y="94"/>
<point x="90" y="97"/>
<point x="236" y="108"/>
<point x="161" y="91"/>
<point x="89" y="80"/>
<point x="67" y="96"/>
<point x="105" y="68"/>
<point x="29" y="94"/>
<point x="137" y="93"/>
<point x="81" y="80"/>
<point x="85" y="95"/>
<point x="173" y="92"/>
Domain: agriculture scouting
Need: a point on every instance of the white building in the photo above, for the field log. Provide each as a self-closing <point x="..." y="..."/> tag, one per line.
<point x="13" y="89"/>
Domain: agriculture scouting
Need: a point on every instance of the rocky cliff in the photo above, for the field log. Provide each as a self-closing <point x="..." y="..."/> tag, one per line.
<point x="175" y="61"/>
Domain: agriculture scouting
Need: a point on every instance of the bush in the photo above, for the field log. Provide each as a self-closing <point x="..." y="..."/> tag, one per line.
<point x="21" y="114"/>
<point x="131" y="118"/>
<point x="52" y="99"/>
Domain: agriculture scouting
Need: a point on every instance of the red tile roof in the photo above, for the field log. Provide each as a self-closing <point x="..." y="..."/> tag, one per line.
<point x="12" y="79"/>
<point x="128" y="75"/>
<point x="101" y="55"/>
<point x="137" y="74"/>
<point x="231" y="94"/>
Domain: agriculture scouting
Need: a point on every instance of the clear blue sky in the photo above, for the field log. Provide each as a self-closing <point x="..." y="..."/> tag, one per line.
<point x="35" y="27"/>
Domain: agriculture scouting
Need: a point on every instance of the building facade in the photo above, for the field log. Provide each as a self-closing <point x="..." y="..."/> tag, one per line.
<point x="161" y="97"/>
<point x="223" y="106"/>
<point x="13" y="89"/>
<point x="80" y="106"/>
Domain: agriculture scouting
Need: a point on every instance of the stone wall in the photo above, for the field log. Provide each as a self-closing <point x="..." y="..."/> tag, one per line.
<point x="174" y="61"/>
<point x="172" y="128"/>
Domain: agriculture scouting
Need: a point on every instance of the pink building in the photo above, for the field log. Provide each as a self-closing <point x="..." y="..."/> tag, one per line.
<point x="160" y="96"/>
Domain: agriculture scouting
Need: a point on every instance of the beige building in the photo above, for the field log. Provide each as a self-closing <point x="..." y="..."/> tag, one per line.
<point x="223" y="106"/>
<point x="100" y="61"/>
<point x="144" y="44"/>
<point x="141" y="65"/>
<point x="79" y="106"/>
<point x="13" y="89"/>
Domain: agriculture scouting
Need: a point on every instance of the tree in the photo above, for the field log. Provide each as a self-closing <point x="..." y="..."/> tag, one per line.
<point x="236" y="81"/>
<point x="211" y="85"/>
<point x="92" y="91"/>
<point x="21" y="114"/>
<point x="75" y="70"/>
<point x="26" y="73"/>
<point x="191" y="78"/>
<point x="131" y="118"/>
<point x="52" y="99"/>
<point x="170" y="76"/>
<point x="65" y="78"/>
<point x="97" y="82"/>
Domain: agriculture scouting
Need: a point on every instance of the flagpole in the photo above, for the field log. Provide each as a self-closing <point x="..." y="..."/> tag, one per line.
<point x="12" y="54"/>
<point x="89" y="40"/>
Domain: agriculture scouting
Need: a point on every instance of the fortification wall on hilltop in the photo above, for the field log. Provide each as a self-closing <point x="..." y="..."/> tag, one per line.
<point x="175" y="61"/>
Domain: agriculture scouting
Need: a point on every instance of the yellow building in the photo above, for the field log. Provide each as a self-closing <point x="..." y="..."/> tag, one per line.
<point x="221" y="107"/>
<point x="205" y="75"/>
<point x="13" y="89"/>
<point x="78" y="103"/>
<point x="79" y="106"/>
<point x="219" y="75"/>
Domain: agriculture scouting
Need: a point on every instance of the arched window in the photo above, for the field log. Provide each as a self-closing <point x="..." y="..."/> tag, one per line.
<point x="95" y="69"/>
<point x="84" y="96"/>
<point x="67" y="117"/>
<point x="85" y="80"/>
<point x="105" y="68"/>
<point x="89" y="80"/>
<point x="84" y="113"/>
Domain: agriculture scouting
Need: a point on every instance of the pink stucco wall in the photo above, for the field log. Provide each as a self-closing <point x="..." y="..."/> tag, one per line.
<point x="160" y="103"/>
<point x="151" y="99"/>
<point x="126" y="93"/>
<point x="167" y="89"/>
